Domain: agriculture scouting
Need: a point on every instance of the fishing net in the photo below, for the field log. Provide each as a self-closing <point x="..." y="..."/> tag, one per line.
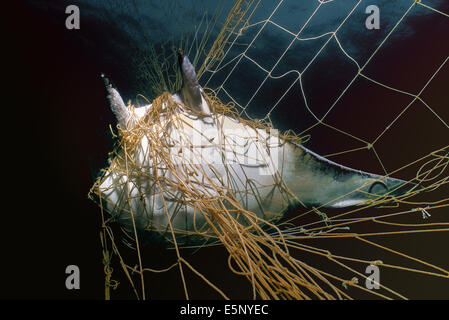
<point x="282" y="255"/>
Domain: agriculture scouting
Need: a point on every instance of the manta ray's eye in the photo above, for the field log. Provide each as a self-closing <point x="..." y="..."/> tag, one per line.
<point x="378" y="188"/>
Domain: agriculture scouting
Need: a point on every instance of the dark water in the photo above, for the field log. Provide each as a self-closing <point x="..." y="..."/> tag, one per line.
<point x="60" y="138"/>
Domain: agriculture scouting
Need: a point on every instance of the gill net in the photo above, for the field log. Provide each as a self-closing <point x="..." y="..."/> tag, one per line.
<point x="297" y="256"/>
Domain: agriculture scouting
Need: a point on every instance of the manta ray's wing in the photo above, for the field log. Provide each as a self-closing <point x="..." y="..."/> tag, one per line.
<point x="318" y="181"/>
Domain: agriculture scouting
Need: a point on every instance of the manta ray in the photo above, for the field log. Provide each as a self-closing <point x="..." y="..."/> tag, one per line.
<point x="265" y="173"/>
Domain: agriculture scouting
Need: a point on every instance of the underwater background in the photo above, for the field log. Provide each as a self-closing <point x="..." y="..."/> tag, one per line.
<point x="62" y="138"/>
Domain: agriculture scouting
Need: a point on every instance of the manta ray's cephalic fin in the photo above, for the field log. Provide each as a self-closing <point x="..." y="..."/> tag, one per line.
<point x="191" y="92"/>
<point x="116" y="104"/>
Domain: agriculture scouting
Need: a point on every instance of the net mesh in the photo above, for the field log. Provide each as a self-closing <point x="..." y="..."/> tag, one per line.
<point x="274" y="256"/>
